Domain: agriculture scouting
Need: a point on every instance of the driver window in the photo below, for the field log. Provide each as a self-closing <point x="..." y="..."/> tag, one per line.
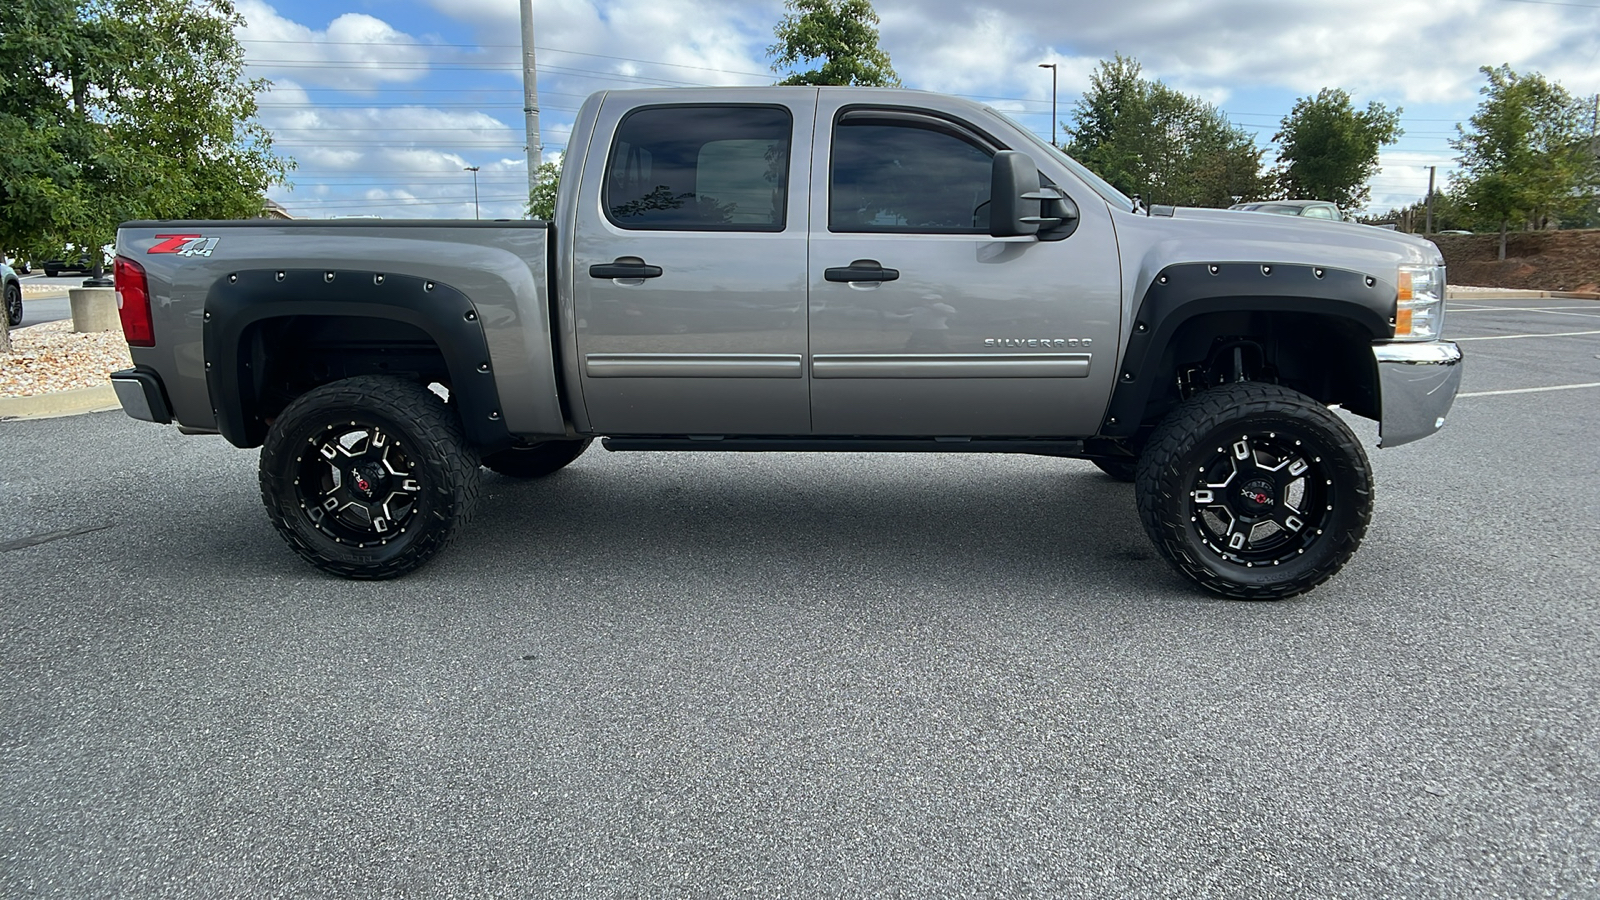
<point x="907" y="178"/>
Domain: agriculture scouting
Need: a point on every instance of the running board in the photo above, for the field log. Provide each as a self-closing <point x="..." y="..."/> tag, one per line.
<point x="848" y="445"/>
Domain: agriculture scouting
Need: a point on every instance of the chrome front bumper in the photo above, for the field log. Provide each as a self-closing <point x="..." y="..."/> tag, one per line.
<point x="1417" y="384"/>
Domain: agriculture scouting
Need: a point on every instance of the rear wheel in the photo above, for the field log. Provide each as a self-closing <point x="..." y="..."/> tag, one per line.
<point x="538" y="460"/>
<point x="368" y="477"/>
<point x="1255" y="491"/>
<point x="14" y="304"/>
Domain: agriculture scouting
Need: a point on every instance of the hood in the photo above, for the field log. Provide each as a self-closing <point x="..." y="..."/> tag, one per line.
<point x="1296" y="234"/>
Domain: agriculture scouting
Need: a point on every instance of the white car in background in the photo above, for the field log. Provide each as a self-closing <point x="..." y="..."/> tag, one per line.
<point x="1310" y="209"/>
<point x="13" y="295"/>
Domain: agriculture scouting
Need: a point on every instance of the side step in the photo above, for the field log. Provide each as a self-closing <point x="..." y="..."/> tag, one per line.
<point x="1040" y="447"/>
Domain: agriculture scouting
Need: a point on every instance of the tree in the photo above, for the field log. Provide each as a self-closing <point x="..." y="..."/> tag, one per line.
<point x="542" y="198"/>
<point x="1526" y="156"/>
<point x="1149" y="139"/>
<point x="841" y="33"/>
<point x="1328" y="151"/>
<point x="121" y="109"/>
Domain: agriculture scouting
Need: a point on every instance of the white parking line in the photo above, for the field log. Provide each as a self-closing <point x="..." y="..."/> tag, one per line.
<point x="1467" y="309"/>
<point x="1512" y="337"/>
<point x="1538" y="390"/>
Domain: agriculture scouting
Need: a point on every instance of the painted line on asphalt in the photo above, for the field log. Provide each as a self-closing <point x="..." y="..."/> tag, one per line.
<point x="1538" y="390"/>
<point x="1512" y="337"/>
<point x="1506" y="309"/>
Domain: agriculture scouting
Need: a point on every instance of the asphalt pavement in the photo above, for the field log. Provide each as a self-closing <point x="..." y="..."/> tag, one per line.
<point x="789" y="675"/>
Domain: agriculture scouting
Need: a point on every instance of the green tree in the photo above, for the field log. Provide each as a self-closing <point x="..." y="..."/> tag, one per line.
<point x="1329" y="151"/>
<point x="843" y="34"/>
<point x="542" y="198"/>
<point x="1166" y="146"/>
<point x="1525" y="155"/>
<point x="121" y="109"/>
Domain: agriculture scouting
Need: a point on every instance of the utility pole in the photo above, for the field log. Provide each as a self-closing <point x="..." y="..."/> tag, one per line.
<point x="1052" y="68"/>
<point x="530" y="97"/>
<point x="474" y="171"/>
<point x="1428" y="228"/>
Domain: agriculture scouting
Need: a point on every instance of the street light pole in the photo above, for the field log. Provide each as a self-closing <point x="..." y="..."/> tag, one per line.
<point x="474" y="171"/>
<point x="1052" y="68"/>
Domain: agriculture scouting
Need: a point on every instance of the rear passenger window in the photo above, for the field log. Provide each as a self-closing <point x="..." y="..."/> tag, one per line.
<point x="700" y="168"/>
<point x="902" y="175"/>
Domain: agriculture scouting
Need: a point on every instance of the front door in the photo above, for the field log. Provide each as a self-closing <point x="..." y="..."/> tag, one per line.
<point x="924" y="325"/>
<point x="689" y="269"/>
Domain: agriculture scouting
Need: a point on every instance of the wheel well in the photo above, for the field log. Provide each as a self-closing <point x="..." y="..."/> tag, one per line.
<point x="1325" y="357"/>
<point x="285" y="357"/>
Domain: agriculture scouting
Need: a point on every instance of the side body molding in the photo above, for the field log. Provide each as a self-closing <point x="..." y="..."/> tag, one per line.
<point x="445" y="314"/>
<point x="1182" y="292"/>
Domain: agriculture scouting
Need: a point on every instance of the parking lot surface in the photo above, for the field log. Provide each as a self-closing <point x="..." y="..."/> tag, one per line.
<point x="663" y="675"/>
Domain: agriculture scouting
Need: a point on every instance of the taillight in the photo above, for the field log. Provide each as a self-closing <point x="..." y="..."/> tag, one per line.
<point x="133" y="304"/>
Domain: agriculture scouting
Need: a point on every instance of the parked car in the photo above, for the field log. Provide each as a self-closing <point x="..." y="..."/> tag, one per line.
<point x="68" y="263"/>
<point x="1310" y="209"/>
<point x="21" y="266"/>
<point x="13" y="294"/>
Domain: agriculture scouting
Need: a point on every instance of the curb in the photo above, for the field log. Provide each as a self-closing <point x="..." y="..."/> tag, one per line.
<point x="61" y="403"/>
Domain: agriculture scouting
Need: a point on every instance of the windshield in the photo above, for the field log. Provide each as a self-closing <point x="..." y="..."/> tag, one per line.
<point x="1099" y="185"/>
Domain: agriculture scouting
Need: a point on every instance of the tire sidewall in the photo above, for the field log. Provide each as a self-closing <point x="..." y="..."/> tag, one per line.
<point x="13" y="303"/>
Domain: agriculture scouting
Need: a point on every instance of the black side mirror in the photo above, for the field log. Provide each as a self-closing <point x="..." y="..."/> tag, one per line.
<point x="1011" y="214"/>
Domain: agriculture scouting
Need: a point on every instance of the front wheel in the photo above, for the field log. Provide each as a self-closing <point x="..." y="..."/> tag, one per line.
<point x="1254" y="491"/>
<point x="368" y="477"/>
<point x="13" y="305"/>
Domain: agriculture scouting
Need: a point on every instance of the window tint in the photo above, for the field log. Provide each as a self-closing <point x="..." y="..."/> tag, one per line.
<point x="706" y="168"/>
<point x="907" y="177"/>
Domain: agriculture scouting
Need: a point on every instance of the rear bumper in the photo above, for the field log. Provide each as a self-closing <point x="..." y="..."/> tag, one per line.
<point x="141" y="394"/>
<point x="1418" y="383"/>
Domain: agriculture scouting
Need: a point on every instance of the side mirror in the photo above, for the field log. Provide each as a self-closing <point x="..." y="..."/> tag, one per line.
<point x="1010" y="213"/>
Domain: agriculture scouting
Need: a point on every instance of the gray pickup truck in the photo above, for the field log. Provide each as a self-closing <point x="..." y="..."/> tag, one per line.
<point x="801" y="269"/>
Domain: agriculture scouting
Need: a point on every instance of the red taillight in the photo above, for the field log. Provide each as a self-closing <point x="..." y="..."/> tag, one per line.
<point x="133" y="304"/>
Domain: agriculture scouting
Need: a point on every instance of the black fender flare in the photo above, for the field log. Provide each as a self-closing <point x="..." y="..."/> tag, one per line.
<point x="1179" y="293"/>
<point x="445" y="314"/>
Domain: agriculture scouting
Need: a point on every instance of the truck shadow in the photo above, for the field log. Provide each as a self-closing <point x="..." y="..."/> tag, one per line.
<point x="985" y="524"/>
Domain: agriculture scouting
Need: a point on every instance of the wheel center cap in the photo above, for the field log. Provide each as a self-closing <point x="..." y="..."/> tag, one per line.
<point x="364" y="480"/>
<point x="1256" y="496"/>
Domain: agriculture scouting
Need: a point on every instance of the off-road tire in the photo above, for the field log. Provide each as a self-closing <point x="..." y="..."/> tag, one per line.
<point x="1126" y="470"/>
<point x="1263" y="433"/>
<point x="13" y="305"/>
<point x="538" y="460"/>
<point x="423" y="460"/>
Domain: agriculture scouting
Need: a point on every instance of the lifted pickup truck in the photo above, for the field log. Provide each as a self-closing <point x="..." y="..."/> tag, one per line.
<point x="801" y="269"/>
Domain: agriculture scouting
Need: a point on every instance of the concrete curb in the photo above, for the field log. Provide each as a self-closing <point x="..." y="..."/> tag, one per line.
<point x="61" y="403"/>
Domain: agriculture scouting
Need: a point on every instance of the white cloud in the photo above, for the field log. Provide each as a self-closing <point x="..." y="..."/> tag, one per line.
<point x="355" y="52"/>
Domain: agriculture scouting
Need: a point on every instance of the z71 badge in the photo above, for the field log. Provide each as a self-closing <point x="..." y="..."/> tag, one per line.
<point x="185" y="244"/>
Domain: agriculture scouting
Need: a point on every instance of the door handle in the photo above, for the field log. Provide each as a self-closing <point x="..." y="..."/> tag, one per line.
<point x="861" y="270"/>
<point x="624" y="267"/>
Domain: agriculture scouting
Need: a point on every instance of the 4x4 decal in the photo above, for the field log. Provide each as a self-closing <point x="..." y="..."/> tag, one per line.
<point x="185" y="244"/>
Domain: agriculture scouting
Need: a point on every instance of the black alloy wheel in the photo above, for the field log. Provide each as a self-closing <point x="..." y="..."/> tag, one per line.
<point x="13" y="304"/>
<point x="1255" y="491"/>
<point x="368" y="477"/>
<point x="536" y="461"/>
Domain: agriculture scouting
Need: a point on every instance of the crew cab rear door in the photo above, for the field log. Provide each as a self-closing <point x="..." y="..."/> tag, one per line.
<point x="689" y="265"/>
<point x="921" y="323"/>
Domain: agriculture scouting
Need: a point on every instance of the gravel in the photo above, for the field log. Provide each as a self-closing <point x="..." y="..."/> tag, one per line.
<point x="48" y="358"/>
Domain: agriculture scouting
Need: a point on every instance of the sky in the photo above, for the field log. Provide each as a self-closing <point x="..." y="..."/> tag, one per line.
<point x="384" y="103"/>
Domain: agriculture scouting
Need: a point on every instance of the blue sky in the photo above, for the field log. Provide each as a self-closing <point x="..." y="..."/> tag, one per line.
<point x="383" y="104"/>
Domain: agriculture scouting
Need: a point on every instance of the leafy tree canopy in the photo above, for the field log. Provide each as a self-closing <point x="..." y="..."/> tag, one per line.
<point x="1525" y="154"/>
<point x="542" y="199"/>
<point x="843" y="34"/>
<point x="1329" y="151"/>
<point x="1166" y="146"/>
<point x="121" y="109"/>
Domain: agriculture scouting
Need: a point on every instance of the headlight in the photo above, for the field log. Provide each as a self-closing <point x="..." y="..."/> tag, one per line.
<point x="1419" y="311"/>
